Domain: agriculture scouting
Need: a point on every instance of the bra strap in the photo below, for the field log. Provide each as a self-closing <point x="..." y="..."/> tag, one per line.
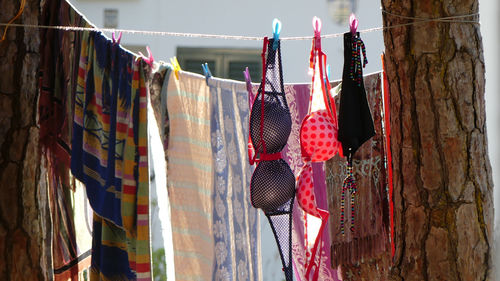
<point x="262" y="90"/>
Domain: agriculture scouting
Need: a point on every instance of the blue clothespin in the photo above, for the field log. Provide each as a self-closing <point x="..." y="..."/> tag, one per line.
<point x="276" y="32"/>
<point x="206" y="70"/>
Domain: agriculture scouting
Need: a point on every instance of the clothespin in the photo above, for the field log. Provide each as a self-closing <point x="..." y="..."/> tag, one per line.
<point x="206" y="71"/>
<point x="317" y="31"/>
<point x="176" y="66"/>
<point x="353" y="24"/>
<point x="248" y="81"/>
<point x="276" y="32"/>
<point x="149" y="60"/>
<point x="117" y="40"/>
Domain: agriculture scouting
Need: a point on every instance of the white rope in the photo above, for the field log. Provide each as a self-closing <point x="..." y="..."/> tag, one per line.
<point x="416" y="20"/>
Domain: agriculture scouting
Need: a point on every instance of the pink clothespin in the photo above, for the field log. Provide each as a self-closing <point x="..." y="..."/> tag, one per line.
<point x="317" y="31"/>
<point x="149" y="60"/>
<point x="353" y="24"/>
<point x="116" y="40"/>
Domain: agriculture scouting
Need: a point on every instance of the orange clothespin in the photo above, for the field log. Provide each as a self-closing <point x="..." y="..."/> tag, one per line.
<point x="149" y="60"/>
<point x="176" y="66"/>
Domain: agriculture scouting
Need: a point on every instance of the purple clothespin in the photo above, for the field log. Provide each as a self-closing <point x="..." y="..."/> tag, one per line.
<point x="248" y="81"/>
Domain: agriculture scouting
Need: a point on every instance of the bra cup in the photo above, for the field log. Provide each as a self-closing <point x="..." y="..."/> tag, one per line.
<point x="318" y="137"/>
<point x="277" y="123"/>
<point x="305" y="191"/>
<point x="272" y="185"/>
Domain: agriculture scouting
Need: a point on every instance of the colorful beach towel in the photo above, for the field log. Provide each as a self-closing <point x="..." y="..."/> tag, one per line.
<point x="370" y="236"/>
<point x="110" y="156"/>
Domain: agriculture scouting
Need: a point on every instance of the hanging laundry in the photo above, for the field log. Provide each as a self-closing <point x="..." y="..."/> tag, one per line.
<point x="71" y="215"/>
<point x="109" y="155"/>
<point x="215" y="229"/>
<point x="298" y="97"/>
<point x="190" y="175"/>
<point x="272" y="187"/>
<point x="161" y="228"/>
<point x="318" y="142"/>
<point x="370" y="236"/>
<point x="355" y="120"/>
<point x="158" y="91"/>
<point x="236" y="223"/>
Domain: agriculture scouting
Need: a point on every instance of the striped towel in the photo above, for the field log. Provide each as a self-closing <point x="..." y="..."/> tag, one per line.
<point x="109" y="155"/>
<point x="190" y="176"/>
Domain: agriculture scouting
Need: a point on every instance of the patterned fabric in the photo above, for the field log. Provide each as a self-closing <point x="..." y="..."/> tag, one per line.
<point x="370" y="236"/>
<point x="215" y="230"/>
<point x="72" y="229"/>
<point x="236" y="222"/>
<point x="70" y="213"/>
<point x="161" y="231"/>
<point x="297" y="96"/>
<point x="109" y="155"/>
<point x="158" y="91"/>
<point x="190" y="176"/>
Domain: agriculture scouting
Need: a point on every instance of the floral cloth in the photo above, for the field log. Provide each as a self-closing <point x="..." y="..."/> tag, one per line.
<point x="236" y="222"/>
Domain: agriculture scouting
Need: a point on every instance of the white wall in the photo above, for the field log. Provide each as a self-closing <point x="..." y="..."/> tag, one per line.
<point x="237" y="17"/>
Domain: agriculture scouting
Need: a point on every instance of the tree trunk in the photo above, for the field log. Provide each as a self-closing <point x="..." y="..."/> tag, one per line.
<point x="442" y="175"/>
<point x="24" y="215"/>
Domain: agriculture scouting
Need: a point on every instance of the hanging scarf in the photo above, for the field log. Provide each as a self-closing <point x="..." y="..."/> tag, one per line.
<point x="369" y="236"/>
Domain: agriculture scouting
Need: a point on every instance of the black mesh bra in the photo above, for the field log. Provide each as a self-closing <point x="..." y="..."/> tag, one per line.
<point x="272" y="187"/>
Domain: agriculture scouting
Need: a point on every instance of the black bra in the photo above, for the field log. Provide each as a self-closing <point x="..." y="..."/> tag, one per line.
<point x="273" y="182"/>
<point x="272" y="187"/>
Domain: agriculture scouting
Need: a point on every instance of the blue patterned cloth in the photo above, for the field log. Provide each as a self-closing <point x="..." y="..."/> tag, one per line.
<point x="236" y="222"/>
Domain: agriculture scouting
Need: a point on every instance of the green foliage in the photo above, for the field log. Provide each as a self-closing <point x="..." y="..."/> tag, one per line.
<point x="159" y="265"/>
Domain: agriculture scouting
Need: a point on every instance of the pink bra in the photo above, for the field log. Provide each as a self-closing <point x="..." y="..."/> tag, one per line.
<point x="318" y="141"/>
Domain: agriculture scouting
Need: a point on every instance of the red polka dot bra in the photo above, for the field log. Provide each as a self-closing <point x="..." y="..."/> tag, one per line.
<point x="318" y="141"/>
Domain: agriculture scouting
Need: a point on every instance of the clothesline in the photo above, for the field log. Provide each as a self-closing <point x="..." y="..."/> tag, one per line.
<point x="415" y="20"/>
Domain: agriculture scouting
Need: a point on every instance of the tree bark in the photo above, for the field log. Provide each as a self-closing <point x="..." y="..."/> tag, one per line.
<point x="24" y="215"/>
<point x="442" y="175"/>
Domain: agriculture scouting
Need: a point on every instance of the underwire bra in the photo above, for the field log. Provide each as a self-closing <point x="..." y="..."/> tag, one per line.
<point x="318" y="141"/>
<point x="272" y="187"/>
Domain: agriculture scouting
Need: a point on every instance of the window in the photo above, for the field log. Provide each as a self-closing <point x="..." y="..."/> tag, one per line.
<point x="223" y="62"/>
<point x="110" y="18"/>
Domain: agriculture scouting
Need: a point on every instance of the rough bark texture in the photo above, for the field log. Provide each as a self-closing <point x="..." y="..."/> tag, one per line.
<point x="24" y="216"/>
<point x="442" y="176"/>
